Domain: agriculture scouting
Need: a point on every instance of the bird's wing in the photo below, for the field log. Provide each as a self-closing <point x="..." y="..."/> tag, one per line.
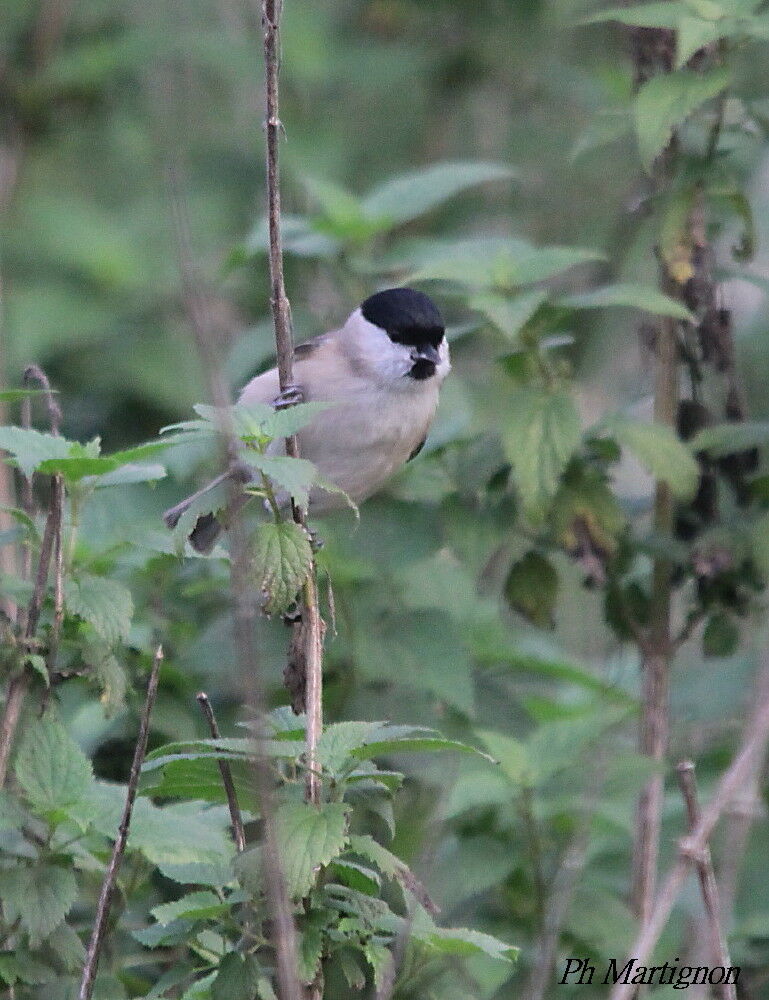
<point x="265" y="388"/>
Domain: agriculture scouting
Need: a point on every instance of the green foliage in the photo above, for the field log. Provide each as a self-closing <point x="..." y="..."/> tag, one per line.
<point x="542" y="433"/>
<point x="508" y="497"/>
<point x="282" y="557"/>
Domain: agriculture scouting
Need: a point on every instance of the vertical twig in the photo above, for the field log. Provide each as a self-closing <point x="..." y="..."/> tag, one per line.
<point x="108" y="886"/>
<point x="754" y="745"/>
<point x="706" y="875"/>
<point x="226" y="773"/>
<point x="51" y="541"/>
<point x="243" y="601"/>
<point x="312" y="630"/>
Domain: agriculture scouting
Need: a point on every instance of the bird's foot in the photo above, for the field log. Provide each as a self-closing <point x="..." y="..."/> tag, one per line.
<point x="290" y="396"/>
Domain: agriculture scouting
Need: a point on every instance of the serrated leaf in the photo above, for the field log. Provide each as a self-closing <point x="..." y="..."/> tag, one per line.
<point x="661" y="452"/>
<point x="193" y="906"/>
<point x="29" y="448"/>
<point x="38" y="897"/>
<point x="132" y="472"/>
<point x="104" y="603"/>
<point x="310" y="950"/>
<point x="464" y="942"/>
<point x="308" y="838"/>
<point x="355" y="876"/>
<point x="282" y="561"/>
<point x="509" y="315"/>
<point x="666" y="101"/>
<point x="633" y="296"/>
<point x="51" y="769"/>
<point x="12" y="816"/>
<point x="379" y="958"/>
<point x="68" y="947"/>
<point x="256" y="420"/>
<point x="725" y="439"/>
<point x="531" y="588"/>
<point x="237" y="978"/>
<point x="410" y="195"/>
<point x="542" y="433"/>
<point x="294" y="475"/>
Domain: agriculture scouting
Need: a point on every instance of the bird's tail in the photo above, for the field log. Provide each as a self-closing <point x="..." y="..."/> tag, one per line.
<point x="208" y="527"/>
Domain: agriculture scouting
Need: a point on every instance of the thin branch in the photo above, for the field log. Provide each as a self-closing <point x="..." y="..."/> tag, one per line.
<point x="706" y="875"/>
<point x="19" y="685"/>
<point x="753" y="748"/>
<point x="243" y="601"/>
<point x="108" y="886"/>
<point x="312" y="628"/>
<point x="226" y="773"/>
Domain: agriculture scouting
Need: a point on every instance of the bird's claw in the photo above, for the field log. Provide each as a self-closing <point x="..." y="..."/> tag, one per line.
<point x="290" y="396"/>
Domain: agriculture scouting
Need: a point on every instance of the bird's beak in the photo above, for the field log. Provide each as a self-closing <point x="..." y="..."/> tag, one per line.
<point x="428" y="353"/>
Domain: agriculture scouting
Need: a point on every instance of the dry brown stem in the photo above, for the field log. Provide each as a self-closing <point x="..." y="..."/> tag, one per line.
<point x="753" y="748"/>
<point x="226" y="773"/>
<point x="108" y="886"/>
<point x="706" y="875"/>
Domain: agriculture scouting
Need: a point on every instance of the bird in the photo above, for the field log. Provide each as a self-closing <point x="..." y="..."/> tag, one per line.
<point x="381" y="372"/>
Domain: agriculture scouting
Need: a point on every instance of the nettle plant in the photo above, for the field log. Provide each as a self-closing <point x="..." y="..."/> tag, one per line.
<point x="354" y="900"/>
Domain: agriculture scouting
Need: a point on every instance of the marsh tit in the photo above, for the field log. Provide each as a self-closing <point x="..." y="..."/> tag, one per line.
<point x="381" y="371"/>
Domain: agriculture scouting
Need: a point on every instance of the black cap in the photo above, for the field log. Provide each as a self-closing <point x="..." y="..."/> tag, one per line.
<point x="408" y="316"/>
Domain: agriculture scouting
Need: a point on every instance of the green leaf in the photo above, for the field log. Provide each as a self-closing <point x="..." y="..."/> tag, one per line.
<point x="310" y="949"/>
<point x="294" y="475"/>
<point x="39" y="897"/>
<point x="132" y="472"/>
<point x="282" y="561"/>
<point x="261" y="420"/>
<point x="410" y="195"/>
<point x="29" y="448"/>
<point x="12" y="816"/>
<point x="660" y="451"/>
<point x="342" y="213"/>
<point x="497" y="262"/>
<point x="193" y="906"/>
<point x="721" y="636"/>
<point x="725" y="439"/>
<point x="665" y="101"/>
<point x="309" y="837"/>
<point x="379" y="958"/>
<point x="51" y="769"/>
<point x="237" y="978"/>
<point x="104" y="603"/>
<point x="460" y="941"/>
<point x="694" y="33"/>
<point x="22" y="517"/>
<point x="355" y="876"/>
<point x="531" y="589"/>
<point x="633" y="296"/>
<point x="108" y="674"/>
<point x="509" y="315"/>
<point x="67" y="946"/>
<point x="607" y="126"/>
<point x="645" y="15"/>
<point x="542" y="433"/>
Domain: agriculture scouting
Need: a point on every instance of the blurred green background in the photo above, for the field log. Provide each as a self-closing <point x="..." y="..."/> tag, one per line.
<point x="114" y="115"/>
